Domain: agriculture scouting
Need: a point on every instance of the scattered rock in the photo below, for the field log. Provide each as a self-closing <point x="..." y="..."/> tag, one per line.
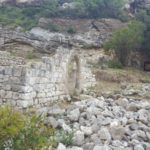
<point x="78" y="138"/>
<point x="74" y="115"/>
<point x="61" y="147"/>
<point x="138" y="147"/>
<point x="75" y="148"/>
<point x="102" y="148"/>
<point x="104" y="124"/>
<point x="52" y="121"/>
<point x="117" y="132"/>
<point x="104" y="134"/>
<point x="86" y="130"/>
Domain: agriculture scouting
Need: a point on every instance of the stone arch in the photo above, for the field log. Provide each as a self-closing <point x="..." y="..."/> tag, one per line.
<point x="74" y="72"/>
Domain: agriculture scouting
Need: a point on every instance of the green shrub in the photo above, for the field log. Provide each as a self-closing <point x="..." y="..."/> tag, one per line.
<point x="71" y="30"/>
<point x="126" y="40"/>
<point x="24" y="132"/>
<point x="65" y="137"/>
<point x="11" y="123"/>
<point x="30" y="55"/>
<point x="115" y="64"/>
<point x="34" y="136"/>
<point x="53" y="27"/>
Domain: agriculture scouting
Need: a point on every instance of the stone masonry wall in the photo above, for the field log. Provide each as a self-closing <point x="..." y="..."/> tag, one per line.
<point x="38" y="82"/>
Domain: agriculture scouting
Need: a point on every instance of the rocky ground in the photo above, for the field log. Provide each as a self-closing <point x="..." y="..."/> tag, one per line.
<point x="119" y="121"/>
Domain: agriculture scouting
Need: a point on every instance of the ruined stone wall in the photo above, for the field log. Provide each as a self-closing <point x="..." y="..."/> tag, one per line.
<point x="39" y="82"/>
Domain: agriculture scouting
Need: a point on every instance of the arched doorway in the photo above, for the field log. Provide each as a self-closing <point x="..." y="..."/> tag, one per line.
<point x="74" y="76"/>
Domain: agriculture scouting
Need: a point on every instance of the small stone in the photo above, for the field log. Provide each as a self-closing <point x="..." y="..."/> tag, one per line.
<point x="66" y="127"/>
<point x="75" y="148"/>
<point x="138" y="147"/>
<point x="104" y="134"/>
<point x="102" y="147"/>
<point x="61" y="147"/>
<point x="55" y="110"/>
<point x="74" y="115"/>
<point x="144" y="116"/>
<point x="122" y="102"/>
<point x="86" y="130"/>
<point x="78" y="138"/>
<point x="132" y="107"/>
<point x="95" y="139"/>
<point x="52" y="121"/>
<point x="117" y="132"/>
<point x="88" y="146"/>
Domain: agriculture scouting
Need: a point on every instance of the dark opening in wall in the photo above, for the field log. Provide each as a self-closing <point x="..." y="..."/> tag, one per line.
<point x="74" y="76"/>
<point x="147" y="66"/>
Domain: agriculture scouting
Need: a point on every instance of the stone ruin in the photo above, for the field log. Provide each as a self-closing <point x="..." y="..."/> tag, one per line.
<point x="37" y="83"/>
<point x="61" y="71"/>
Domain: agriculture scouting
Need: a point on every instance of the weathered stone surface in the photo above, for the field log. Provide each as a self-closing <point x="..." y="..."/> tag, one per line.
<point x="86" y="130"/>
<point x="102" y="148"/>
<point x="78" y="138"/>
<point x="74" y="115"/>
<point x="104" y="134"/>
<point x="61" y="147"/>
<point x="117" y="132"/>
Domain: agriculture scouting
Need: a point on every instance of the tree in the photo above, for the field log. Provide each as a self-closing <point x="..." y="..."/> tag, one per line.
<point x="144" y="17"/>
<point x="127" y="40"/>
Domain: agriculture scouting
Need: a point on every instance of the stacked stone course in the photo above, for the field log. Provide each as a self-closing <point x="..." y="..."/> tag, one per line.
<point x="40" y="82"/>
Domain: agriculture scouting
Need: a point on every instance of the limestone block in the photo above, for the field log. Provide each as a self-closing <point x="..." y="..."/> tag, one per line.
<point x="49" y="86"/>
<point x="4" y="79"/>
<point x="8" y="71"/>
<point x="17" y="71"/>
<point x="8" y="94"/>
<point x="41" y="95"/>
<point x="49" y="94"/>
<point x="59" y="92"/>
<point x="27" y="89"/>
<point x="14" y="80"/>
<point x="15" y="95"/>
<point x="24" y="103"/>
<point x="36" y="101"/>
<point x="11" y="102"/>
<point x="44" y="100"/>
<point x="41" y="80"/>
<point x="2" y="93"/>
<point x="15" y="88"/>
<point x="1" y="70"/>
<point x="27" y="96"/>
<point x="7" y="87"/>
<point x="31" y="80"/>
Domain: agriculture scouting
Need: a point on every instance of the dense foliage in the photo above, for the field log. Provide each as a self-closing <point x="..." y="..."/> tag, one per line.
<point x="26" y="131"/>
<point x="127" y="40"/>
<point x="144" y="16"/>
<point x="28" y="16"/>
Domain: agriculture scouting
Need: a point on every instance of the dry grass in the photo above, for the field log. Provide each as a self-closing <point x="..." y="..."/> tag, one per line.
<point x="120" y="75"/>
<point x="110" y="80"/>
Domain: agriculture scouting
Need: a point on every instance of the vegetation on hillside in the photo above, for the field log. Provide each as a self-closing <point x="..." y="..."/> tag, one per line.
<point x="144" y="16"/>
<point x="135" y="37"/>
<point x="28" y="16"/>
<point x="126" y="40"/>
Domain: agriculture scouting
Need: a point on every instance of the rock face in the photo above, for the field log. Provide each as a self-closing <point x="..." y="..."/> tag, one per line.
<point x="136" y="4"/>
<point x="89" y="34"/>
